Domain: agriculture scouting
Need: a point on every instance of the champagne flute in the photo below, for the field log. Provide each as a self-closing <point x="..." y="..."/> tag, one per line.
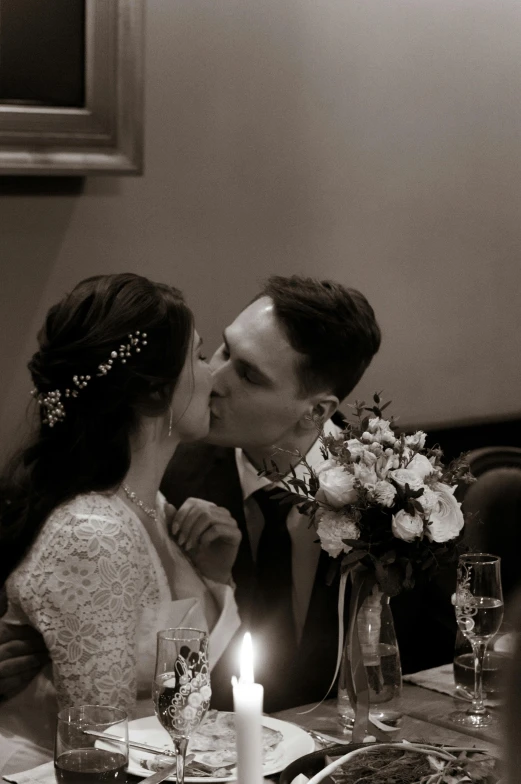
<point x="478" y="602"/>
<point x="181" y="687"/>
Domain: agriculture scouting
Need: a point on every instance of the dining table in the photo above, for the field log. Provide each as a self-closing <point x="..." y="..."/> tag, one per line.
<point x="425" y="718"/>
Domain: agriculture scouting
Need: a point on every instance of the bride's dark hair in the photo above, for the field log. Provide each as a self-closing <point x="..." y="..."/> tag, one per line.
<point x="89" y="448"/>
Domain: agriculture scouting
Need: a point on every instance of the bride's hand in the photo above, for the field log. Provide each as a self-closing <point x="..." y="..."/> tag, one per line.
<point x="209" y="535"/>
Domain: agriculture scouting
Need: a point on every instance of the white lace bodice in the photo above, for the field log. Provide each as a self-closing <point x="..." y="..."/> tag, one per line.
<point x="84" y="585"/>
<point x="94" y="586"/>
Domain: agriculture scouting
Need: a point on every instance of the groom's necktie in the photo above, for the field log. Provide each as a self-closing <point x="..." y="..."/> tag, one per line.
<point x="274" y="620"/>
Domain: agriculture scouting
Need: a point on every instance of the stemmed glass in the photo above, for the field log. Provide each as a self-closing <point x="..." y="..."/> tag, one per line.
<point x="181" y="688"/>
<point x="478" y="602"/>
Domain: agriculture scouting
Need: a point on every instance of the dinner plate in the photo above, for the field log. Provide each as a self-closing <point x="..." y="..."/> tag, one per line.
<point x="294" y="744"/>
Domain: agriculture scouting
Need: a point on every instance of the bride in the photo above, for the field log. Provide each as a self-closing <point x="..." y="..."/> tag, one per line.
<point x="119" y="381"/>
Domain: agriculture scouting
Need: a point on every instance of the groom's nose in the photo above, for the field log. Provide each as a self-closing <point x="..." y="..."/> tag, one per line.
<point x="218" y="371"/>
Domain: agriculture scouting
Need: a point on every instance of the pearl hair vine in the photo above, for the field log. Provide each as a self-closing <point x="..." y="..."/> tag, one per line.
<point x="51" y="402"/>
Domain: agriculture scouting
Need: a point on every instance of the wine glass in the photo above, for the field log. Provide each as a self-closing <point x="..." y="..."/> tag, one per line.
<point x="181" y="687"/>
<point x="478" y="602"/>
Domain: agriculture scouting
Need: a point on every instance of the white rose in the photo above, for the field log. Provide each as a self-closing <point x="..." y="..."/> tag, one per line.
<point x="428" y="500"/>
<point x="446" y="519"/>
<point x="383" y="493"/>
<point x="420" y="465"/>
<point x="355" y="447"/>
<point x="376" y="448"/>
<point x="402" y="477"/>
<point x="416" y="440"/>
<point x="407" y="527"/>
<point x="381" y="430"/>
<point x="332" y="528"/>
<point x="324" y="465"/>
<point x="336" y="485"/>
<point x="387" y="462"/>
<point x="367" y="476"/>
<point x="368" y="457"/>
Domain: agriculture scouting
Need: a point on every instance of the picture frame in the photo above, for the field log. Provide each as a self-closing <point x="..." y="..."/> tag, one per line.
<point x="105" y="134"/>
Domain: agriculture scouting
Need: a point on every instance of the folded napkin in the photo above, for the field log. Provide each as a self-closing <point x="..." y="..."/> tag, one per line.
<point x="43" y="774"/>
<point x="442" y="679"/>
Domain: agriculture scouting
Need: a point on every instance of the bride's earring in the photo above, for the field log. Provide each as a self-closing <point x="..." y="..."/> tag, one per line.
<point x="170" y="423"/>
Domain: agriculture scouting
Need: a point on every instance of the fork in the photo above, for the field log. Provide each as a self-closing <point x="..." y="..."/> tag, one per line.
<point x="192" y="765"/>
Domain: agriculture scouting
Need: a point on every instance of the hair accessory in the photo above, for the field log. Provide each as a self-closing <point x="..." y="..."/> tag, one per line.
<point x="131" y="495"/>
<point x="51" y="402"/>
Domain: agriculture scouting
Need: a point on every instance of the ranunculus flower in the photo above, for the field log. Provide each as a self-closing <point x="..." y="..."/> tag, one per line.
<point x="407" y="527"/>
<point x="402" y="477"/>
<point x="383" y="493"/>
<point x="421" y="466"/>
<point x="446" y="519"/>
<point x="336" y="485"/>
<point x="416" y="440"/>
<point x="332" y="528"/>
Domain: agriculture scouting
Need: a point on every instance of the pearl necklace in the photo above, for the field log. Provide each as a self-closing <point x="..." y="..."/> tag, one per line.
<point x="148" y="510"/>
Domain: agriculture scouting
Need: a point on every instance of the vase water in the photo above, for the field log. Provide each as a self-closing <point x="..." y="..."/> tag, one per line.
<point x="381" y="663"/>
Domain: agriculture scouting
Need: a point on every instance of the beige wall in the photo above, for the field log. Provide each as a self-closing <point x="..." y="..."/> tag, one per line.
<point x="377" y="142"/>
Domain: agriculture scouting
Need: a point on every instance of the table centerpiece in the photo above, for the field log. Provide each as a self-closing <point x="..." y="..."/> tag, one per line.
<point x="384" y="509"/>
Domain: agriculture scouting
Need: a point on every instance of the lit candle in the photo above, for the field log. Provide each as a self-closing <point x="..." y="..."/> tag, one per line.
<point x="247" y="703"/>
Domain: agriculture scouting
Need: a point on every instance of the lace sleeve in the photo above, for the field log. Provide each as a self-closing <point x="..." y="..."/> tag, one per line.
<point x="83" y="591"/>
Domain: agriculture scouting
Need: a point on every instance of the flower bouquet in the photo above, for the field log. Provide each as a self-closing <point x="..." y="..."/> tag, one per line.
<point x="383" y="507"/>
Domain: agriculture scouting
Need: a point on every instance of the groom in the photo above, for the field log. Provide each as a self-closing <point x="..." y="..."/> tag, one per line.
<point x="284" y="364"/>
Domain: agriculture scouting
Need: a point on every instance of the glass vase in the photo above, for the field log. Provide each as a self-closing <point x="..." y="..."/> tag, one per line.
<point x="370" y="677"/>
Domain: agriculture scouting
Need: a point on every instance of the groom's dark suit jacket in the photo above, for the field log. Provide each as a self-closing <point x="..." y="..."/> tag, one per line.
<point x="424" y="617"/>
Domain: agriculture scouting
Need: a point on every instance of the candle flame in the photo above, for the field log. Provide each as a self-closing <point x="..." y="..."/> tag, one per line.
<point x="246" y="660"/>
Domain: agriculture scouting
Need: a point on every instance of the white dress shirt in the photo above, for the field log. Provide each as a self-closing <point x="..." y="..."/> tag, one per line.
<point x="305" y="548"/>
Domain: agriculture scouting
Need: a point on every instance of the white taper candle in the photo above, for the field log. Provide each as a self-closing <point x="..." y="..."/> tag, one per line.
<point x="247" y="701"/>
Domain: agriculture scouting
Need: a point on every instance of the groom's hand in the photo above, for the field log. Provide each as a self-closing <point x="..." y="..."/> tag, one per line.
<point x="209" y="535"/>
<point x="22" y="656"/>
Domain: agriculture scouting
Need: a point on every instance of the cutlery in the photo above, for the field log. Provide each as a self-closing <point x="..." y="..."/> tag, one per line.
<point x="327" y="739"/>
<point x="192" y="766"/>
<point x="161" y="775"/>
<point x="133" y="744"/>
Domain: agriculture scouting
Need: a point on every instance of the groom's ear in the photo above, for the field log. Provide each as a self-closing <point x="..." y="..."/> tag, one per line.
<point x="321" y="408"/>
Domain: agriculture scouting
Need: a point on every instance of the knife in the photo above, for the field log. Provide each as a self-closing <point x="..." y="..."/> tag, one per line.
<point x="133" y="744"/>
<point x="161" y="775"/>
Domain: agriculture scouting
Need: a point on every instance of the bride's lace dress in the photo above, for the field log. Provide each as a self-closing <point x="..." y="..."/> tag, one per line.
<point x="94" y="586"/>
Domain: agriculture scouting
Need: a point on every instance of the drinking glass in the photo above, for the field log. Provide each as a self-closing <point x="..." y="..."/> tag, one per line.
<point x="478" y="603"/>
<point x="181" y="686"/>
<point x="79" y="753"/>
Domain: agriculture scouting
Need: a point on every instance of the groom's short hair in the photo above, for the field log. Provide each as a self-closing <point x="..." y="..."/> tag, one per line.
<point x="334" y="328"/>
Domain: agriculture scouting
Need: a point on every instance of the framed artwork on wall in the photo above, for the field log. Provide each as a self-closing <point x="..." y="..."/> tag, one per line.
<point x="71" y="87"/>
